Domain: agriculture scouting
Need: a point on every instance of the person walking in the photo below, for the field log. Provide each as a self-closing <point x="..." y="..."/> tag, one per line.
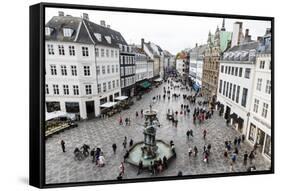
<point x="131" y="142"/>
<point x="140" y="167"/>
<point x="93" y="154"/>
<point x="195" y="151"/>
<point x="62" y="145"/>
<point x="187" y="134"/>
<point x="122" y="169"/>
<point x="204" y="133"/>
<point x="114" y="147"/>
<point x="190" y="152"/>
<point x="245" y="158"/>
<point x="125" y="142"/>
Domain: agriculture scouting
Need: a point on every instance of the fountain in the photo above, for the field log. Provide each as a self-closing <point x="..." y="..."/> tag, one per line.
<point x="150" y="149"/>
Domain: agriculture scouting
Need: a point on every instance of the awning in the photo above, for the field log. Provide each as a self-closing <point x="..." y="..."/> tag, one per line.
<point x="158" y="80"/>
<point x="57" y="114"/>
<point x="121" y="98"/>
<point x="108" y="104"/>
<point x="145" y="84"/>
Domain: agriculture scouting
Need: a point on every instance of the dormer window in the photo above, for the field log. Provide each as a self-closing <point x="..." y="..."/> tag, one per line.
<point x="108" y="39"/>
<point x="48" y="31"/>
<point x="98" y="36"/>
<point x="67" y="32"/>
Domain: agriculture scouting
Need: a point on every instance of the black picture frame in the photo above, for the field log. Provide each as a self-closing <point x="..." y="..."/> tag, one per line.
<point x="37" y="92"/>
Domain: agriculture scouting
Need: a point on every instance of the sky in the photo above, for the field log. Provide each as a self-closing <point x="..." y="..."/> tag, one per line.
<point x="171" y="32"/>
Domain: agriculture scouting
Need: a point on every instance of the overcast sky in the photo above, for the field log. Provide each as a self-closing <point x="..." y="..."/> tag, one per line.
<point x="172" y="33"/>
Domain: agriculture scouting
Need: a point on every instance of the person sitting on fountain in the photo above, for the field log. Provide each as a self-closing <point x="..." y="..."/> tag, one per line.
<point x="126" y="155"/>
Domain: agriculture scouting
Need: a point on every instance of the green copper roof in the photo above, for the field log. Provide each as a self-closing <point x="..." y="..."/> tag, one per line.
<point x="225" y="37"/>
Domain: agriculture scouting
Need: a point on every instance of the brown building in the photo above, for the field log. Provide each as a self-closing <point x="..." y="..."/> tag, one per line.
<point x="216" y="45"/>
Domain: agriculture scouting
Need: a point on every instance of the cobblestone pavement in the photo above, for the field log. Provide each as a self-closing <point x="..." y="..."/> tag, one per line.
<point x="61" y="167"/>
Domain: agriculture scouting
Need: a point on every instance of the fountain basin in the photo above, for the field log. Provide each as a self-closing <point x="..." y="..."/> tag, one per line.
<point x="136" y="155"/>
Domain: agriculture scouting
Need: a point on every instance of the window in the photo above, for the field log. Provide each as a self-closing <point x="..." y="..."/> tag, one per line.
<point x="236" y="71"/>
<point x="102" y="52"/>
<point x="71" y="50"/>
<point x="232" y="70"/>
<point x="259" y="84"/>
<point x="65" y="90"/>
<point x="117" y="83"/>
<point x="47" y="89"/>
<point x="74" y="70"/>
<point x="116" y="53"/>
<point x="262" y="63"/>
<point x="237" y="94"/>
<point x="112" y="53"/>
<point x="113" y="84"/>
<point x="99" y="88"/>
<point x="48" y="31"/>
<point x="256" y="105"/>
<point x="224" y="83"/>
<point x="233" y="93"/>
<point x="108" y="69"/>
<point x="247" y="73"/>
<point x="63" y="70"/>
<point x="104" y="87"/>
<point x="85" y="51"/>
<point x="97" y="52"/>
<point x="67" y="32"/>
<point x="103" y="69"/>
<point x="56" y="89"/>
<point x="61" y="49"/>
<point x="244" y="97"/>
<point x="230" y="91"/>
<point x="220" y="87"/>
<point x="229" y="70"/>
<point x="240" y="72"/>
<point x="53" y="69"/>
<point x="268" y="87"/>
<point x="88" y="89"/>
<point x="226" y="68"/>
<point x="112" y="68"/>
<point x="107" y="52"/>
<point x="98" y="36"/>
<point x="86" y="70"/>
<point x="264" y="110"/>
<point x="222" y="68"/>
<point x="50" y="49"/>
<point x="227" y="85"/>
<point x="75" y="90"/>
<point x="98" y="70"/>
<point x="109" y="85"/>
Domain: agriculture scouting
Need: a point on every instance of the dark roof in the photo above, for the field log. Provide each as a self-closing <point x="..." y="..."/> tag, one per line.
<point x="244" y="47"/>
<point x="84" y="31"/>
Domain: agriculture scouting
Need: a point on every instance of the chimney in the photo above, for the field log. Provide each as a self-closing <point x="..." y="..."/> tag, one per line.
<point x="108" y="26"/>
<point x="61" y="13"/>
<point x="85" y="16"/>
<point x="102" y="23"/>
<point x="196" y="45"/>
<point x="268" y="31"/>
<point x="142" y="42"/>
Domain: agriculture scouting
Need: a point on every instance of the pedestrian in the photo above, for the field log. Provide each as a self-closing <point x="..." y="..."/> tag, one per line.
<point x="251" y="156"/>
<point x="141" y="113"/>
<point x="239" y="141"/>
<point x="195" y="151"/>
<point x="190" y="152"/>
<point x="122" y="169"/>
<point x="209" y="148"/>
<point x="225" y="154"/>
<point x="119" y="177"/>
<point x="62" y="145"/>
<point x="114" y="147"/>
<point x="243" y="138"/>
<point x="137" y="114"/>
<point x="140" y="167"/>
<point x="131" y="142"/>
<point x="125" y="142"/>
<point x="236" y="151"/>
<point x="120" y="121"/>
<point x="204" y="133"/>
<point x="187" y="134"/>
<point x="231" y="167"/>
<point x="93" y="154"/>
<point x="233" y="158"/>
<point x="165" y="162"/>
<point x="245" y="158"/>
<point x="191" y="132"/>
<point x="126" y="156"/>
<point x="235" y="141"/>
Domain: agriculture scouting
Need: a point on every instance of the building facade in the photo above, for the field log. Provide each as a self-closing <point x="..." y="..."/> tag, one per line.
<point x="259" y="126"/>
<point x="82" y="65"/>
<point x="235" y="88"/>
<point x="181" y="64"/>
<point x="216" y="45"/>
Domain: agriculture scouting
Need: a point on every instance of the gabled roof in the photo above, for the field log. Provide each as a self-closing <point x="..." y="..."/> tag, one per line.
<point x="244" y="47"/>
<point x="84" y="31"/>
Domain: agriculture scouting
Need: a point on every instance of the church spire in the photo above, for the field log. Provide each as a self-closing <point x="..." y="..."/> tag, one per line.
<point x="223" y="25"/>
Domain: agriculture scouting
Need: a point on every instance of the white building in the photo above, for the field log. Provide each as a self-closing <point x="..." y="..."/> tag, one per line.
<point x="141" y="64"/>
<point x="181" y="63"/>
<point x="196" y="65"/>
<point x="235" y="89"/>
<point x="259" y="127"/>
<point x="82" y="65"/>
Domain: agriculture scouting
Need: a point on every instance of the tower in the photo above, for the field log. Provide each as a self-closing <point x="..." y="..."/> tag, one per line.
<point x="223" y="25"/>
